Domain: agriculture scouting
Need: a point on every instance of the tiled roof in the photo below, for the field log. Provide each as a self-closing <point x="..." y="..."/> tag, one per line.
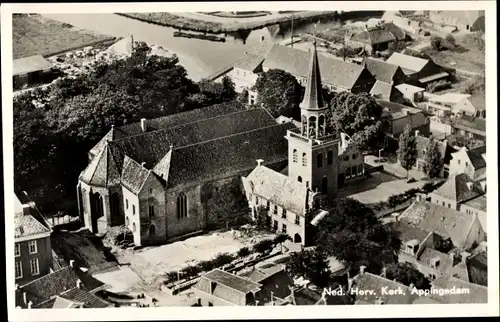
<point x="253" y="57"/>
<point x="385" y="91"/>
<point x="100" y="145"/>
<point x="476" y="157"/>
<point x="235" y="282"/>
<point x="407" y="62"/>
<point x="279" y="189"/>
<point x="479" y="203"/>
<point x="407" y="232"/>
<point x="374" y="36"/>
<point x="333" y="71"/>
<point x="30" y="64"/>
<point x="410" y="88"/>
<point x="260" y="274"/>
<point x="478" y="101"/>
<point x="228" y="155"/>
<point x="103" y="170"/>
<point x="456" y="189"/>
<point x="133" y="175"/>
<point x="399" y="33"/>
<point x="476" y="293"/>
<point x="55" y="283"/>
<point x="27" y="225"/>
<point x="429" y="254"/>
<point x="178" y="119"/>
<point x="477" y="267"/>
<point x="88" y="299"/>
<point x="382" y="70"/>
<point x="444" y="221"/>
<point x="471" y="124"/>
<point x="370" y="281"/>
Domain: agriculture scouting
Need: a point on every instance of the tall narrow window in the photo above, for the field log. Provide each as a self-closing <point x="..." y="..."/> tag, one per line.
<point x="324" y="185"/>
<point x="295" y="156"/>
<point x="181" y="205"/>
<point x="256" y="200"/>
<point x="32" y="247"/>
<point x="297" y="219"/>
<point x="133" y="209"/>
<point x="127" y="221"/>
<point x="283" y="229"/>
<point x="152" y="231"/>
<point x="304" y="159"/>
<point x="133" y="227"/>
<point x="268" y="205"/>
<point x="283" y="213"/>
<point x="19" y="270"/>
<point x="35" y="269"/>
<point x="275" y="211"/>
<point x="126" y="203"/>
<point x="151" y="211"/>
<point x="18" y="250"/>
<point x="319" y="160"/>
<point x="299" y="179"/>
<point x="330" y="157"/>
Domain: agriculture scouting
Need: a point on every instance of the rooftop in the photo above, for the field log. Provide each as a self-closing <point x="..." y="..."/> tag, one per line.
<point x="235" y="282"/>
<point x="382" y="70"/>
<point x="369" y="281"/>
<point x="409" y="232"/>
<point x="30" y="64"/>
<point x="456" y="188"/>
<point x="374" y="36"/>
<point x="410" y="88"/>
<point x="476" y="293"/>
<point x="479" y="203"/>
<point x="449" y="98"/>
<point x="429" y="255"/>
<point x="471" y="124"/>
<point x="477" y="266"/>
<point x="75" y="296"/>
<point x="385" y="91"/>
<point x="407" y="62"/>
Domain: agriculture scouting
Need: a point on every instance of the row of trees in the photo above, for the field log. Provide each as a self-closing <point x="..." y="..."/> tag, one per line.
<point x="55" y="127"/>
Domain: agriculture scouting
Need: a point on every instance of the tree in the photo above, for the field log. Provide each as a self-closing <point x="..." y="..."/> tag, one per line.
<point x="450" y="40"/>
<point x="461" y="140"/>
<point x="345" y="52"/>
<point x="407" y="151"/>
<point x="355" y="236"/>
<point x="433" y="160"/>
<point x="280" y="239"/>
<point x="228" y="205"/>
<point x="360" y="117"/>
<point x="244" y="251"/>
<point x="310" y="264"/>
<point x="243" y="97"/>
<point x="263" y="246"/>
<point x="406" y="274"/>
<point x="279" y="92"/>
<point x="228" y="89"/>
<point x="437" y="43"/>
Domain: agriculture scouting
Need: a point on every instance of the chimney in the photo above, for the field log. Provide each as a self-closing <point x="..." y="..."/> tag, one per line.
<point x="78" y="284"/>
<point x="259" y="162"/>
<point x="30" y="304"/>
<point x="24" y="298"/>
<point x="384" y="272"/>
<point x="143" y="125"/>
<point x="417" y="132"/>
<point x="465" y="256"/>
<point x="362" y="270"/>
<point x="72" y="263"/>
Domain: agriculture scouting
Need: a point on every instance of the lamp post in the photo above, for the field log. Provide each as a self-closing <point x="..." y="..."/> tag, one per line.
<point x="379" y="154"/>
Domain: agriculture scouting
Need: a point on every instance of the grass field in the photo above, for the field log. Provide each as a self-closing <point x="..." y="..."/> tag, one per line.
<point x="33" y="35"/>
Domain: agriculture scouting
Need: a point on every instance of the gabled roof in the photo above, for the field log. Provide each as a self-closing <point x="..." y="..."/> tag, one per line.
<point x="333" y="71"/>
<point x="235" y="282"/>
<point x="399" y="33"/>
<point x="369" y="281"/>
<point x="443" y="221"/>
<point x="228" y="155"/>
<point x="407" y="232"/>
<point x="456" y="189"/>
<point x="429" y="254"/>
<point x="398" y="111"/>
<point x="43" y="288"/>
<point x="253" y="57"/>
<point x="100" y="145"/>
<point x="479" y="102"/>
<point x="133" y="175"/>
<point x="385" y="91"/>
<point x="374" y="36"/>
<point x="30" y="64"/>
<point x="279" y="189"/>
<point x="26" y="225"/>
<point x="410" y="88"/>
<point x="75" y="297"/>
<point x="382" y="70"/>
<point x="476" y="156"/>
<point x="407" y="62"/>
<point x="475" y="294"/>
<point x="452" y="98"/>
<point x="103" y="170"/>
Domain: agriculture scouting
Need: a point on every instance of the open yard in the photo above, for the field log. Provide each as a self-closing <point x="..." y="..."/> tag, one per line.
<point x="35" y="35"/>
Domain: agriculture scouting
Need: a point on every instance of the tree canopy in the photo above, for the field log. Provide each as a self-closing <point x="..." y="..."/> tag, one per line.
<point x="360" y="117"/>
<point x="354" y="235"/>
<point x="406" y="273"/>
<point x="310" y="264"/>
<point x="407" y="151"/>
<point x="433" y="160"/>
<point x="279" y="92"/>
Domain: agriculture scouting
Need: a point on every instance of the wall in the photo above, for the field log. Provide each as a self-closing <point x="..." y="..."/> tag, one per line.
<point x="44" y="255"/>
<point x="346" y="161"/>
<point x="133" y="200"/>
<point x="364" y="83"/>
<point x="476" y="234"/>
<point x="445" y="202"/>
<point x="152" y="194"/>
<point x="464" y="106"/>
<point x="473" y="211"/>
<point x="87" y="212"/>
<point x="210" y="300"/>
<point x="195" y="219"/>
<point x="242" y="79"/>
<point x="438" y="126"/>
<point x="460" y="163"/>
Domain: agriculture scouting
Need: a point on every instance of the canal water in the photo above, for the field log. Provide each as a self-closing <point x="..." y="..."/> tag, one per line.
<point x="199" y="57"/>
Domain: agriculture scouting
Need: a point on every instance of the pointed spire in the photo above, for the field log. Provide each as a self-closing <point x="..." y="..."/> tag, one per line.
<point x="313" y="97"/>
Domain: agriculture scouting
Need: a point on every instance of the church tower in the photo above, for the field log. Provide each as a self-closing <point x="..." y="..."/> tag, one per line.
<point x="313" y="153"/>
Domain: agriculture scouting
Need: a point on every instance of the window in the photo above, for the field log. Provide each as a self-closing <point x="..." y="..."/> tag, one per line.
<point x="17" y="250"/>
<point x="275" y="211"/>
<point x="354" y="156"/>
<point x="295" y="156"/>
<point x="152" y="231"/>
<point x="283" y="229"/>
<point x="330" y="157"/>
<point x="19" y="270"/>
<point x="458" y="161"/>
<point x="346" y="158"/>
<point x="449" y="205"/>
<point x="127" y="221"/>
<point x="297" y="219"/>
<point x="133" y="227"/>
<point x="126" y="203"/>
<point x="150" y="191"/>
<point x="133" y="209"/>
<point x="443" y="203"/>
<point x="283" y="213"/>
<point x="304" y="159"/>
<point x="466" y="163"/>
<point x="35" y="269"/>
<point x="32" y="247"/>
<point x="348" y="172"/>
<point x="324" y="185"/>
<point x="256" y="200"/>
<point x="151" y="211"/>
<point x="299" y="179"/>
<point x="319" y="160"/>
<point x="275" y="225"/>
<point x="307" y="184"/>
<point x="182" y="205"/>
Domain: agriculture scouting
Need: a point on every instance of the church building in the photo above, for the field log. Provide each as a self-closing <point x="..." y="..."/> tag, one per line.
<point x="292" y="200"/>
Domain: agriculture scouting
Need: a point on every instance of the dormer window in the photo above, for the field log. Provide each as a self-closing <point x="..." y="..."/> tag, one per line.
<point x="458" y="161"/>
<point x="435" y="262"/>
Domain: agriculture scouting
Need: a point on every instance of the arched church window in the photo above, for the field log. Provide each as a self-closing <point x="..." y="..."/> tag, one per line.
<point x="127" y="221"/>
<point x="304" y="159"/>
<point x="324" y="185"/>
<point x="181" y="205"/>
<point x="312" y="126"/>
<point x="330" y="157"/>
<point x="133" y="227"/>
<point x="321" y="125"/>
<point x="319" y="160"/>
<point x="295" y="157"/>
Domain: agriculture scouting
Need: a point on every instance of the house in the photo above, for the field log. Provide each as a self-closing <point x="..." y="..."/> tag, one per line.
<point x="463" y="20"/>
<point x="387" y="92"/>
<point x="413" y="93"/>
<point x="471" y="162"/>
<point x="419" y="71"/>
<point x="69" y="287"/>
<point x="458" y="189"/>
<point x="384" y="72"/>
<point x="32" y="247"/>
<point x="461" y="229"/>
<point x="364" y="281"/>
<point x="423" y="143"/>
<point x="473" y="127"/>
<point x="156" y="176"/>
<point x="477" y="269"/>
<point x="372" y="39"/>
<point x="476" y="206"/>
<point x="336" y="75"/>
<point x="452" y="104"/>
<point x="292" y="200"/>
<point x="256" y="288"/>
<point x="31" y="70"/>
